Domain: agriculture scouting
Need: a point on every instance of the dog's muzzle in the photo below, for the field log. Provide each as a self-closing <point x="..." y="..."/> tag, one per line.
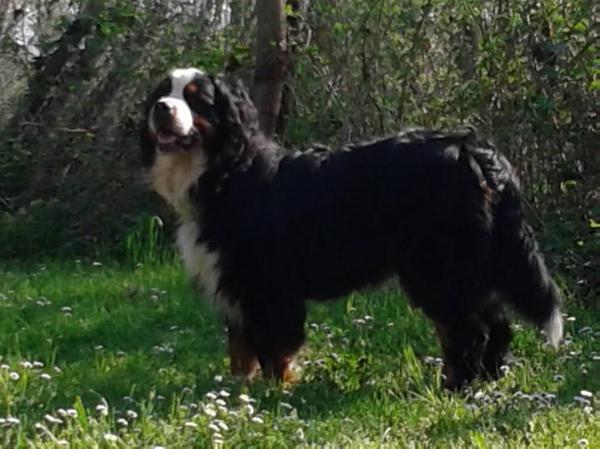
<point x="173" y="126"/>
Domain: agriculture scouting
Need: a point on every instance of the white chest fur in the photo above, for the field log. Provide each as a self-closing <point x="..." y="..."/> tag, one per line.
<point x="200" y="263"/>
<point x="202" y="266"/>
<point x="172" y="176"/>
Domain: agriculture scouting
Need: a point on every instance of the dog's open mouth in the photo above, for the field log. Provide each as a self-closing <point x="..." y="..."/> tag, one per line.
<point x="169" y="141"/>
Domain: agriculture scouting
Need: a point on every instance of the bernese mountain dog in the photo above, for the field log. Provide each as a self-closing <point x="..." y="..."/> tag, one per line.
<point x="262" y="230"/>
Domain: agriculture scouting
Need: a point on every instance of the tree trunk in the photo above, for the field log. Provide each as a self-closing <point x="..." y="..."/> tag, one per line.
<point x="271" y="62"/>
<point x="294" y="41"/>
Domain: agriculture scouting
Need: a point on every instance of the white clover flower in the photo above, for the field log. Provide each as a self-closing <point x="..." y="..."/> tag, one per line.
<point x="122" y="422"/>
<point x="37" y="364"/>
<point x="14" y="375"/>
<point x="221" y="402"/>
<point x="213" y="427"/>
<point x="131" y="414"/>
<point x="245" y="398"/>
<point x="62" y="412"/>
<point x="52" y="419"/>
<point x="224" y="427"/>
<point x="102" y="409"/>
<point x="257" y="420"/>
<point x="26" y="364"/>
<point x="110" y="437"/>
<point x="218" y="378"/>
<point x="11" y="420"/>
<point x="159" y="447"/>
<point x="224" y="394"/>
<point x="211" y="396"/>
<point x="4" y="367"/>
<point x="583" y="442"/>
<point x="210" y="411"/>
<point x="72" y="413"/>
<point x="45" y="376"/>
<point x="249" y="409"/>
<point x="63" y="443"/>
<point x="190" y="425"/>
<point x="586" y="394"/>
<point x="581" y="400"/>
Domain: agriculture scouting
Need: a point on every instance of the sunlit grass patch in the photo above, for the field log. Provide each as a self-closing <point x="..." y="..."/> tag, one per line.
<point x="98" y="355"/>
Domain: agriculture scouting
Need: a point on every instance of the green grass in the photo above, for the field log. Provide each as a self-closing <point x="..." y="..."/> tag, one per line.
<point x="128" y="357"/>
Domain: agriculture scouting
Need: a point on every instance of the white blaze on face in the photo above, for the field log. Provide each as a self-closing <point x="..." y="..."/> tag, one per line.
<point x="183" y="120"/>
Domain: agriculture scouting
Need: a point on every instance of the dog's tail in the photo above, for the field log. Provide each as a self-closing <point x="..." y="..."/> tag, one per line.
<point x="520" y="273"/>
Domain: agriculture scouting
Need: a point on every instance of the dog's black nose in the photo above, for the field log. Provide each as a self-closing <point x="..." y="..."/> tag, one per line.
<point x="163" y="113"/>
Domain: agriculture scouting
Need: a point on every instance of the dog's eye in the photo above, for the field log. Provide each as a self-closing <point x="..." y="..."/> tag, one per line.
<point x="199" y="91"/>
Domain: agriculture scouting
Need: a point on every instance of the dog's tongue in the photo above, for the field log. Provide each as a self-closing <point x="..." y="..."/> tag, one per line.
<point x="166" y="137"/>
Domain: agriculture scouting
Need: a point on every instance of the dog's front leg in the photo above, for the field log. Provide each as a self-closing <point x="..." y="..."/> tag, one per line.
<point x="244" y="362"/>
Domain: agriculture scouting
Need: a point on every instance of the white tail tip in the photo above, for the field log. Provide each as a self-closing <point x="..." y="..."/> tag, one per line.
<point x="553" y="329"/>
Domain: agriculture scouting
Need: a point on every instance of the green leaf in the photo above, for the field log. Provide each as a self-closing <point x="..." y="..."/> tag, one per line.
<point x="565" y="186"/>
<point x="581" y="26"/>
<point x="594" y="224"/>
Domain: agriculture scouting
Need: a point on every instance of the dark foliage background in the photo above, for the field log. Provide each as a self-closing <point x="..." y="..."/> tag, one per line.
<point x="74" y="74"/>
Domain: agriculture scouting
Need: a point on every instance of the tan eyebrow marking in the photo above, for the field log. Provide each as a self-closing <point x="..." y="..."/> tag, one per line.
<point x="191" y="88"/>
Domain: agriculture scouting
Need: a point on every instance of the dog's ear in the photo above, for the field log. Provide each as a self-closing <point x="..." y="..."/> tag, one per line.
<point x="206" y="92"/>
<point x="230" y="139"/>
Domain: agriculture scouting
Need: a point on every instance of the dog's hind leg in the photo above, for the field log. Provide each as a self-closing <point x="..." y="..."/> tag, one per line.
<point x="496" y="352"/>
<point x="463" y="342"/>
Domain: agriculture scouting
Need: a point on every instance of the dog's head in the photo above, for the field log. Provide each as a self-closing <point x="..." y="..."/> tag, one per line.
<point x="191" y="111"/>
